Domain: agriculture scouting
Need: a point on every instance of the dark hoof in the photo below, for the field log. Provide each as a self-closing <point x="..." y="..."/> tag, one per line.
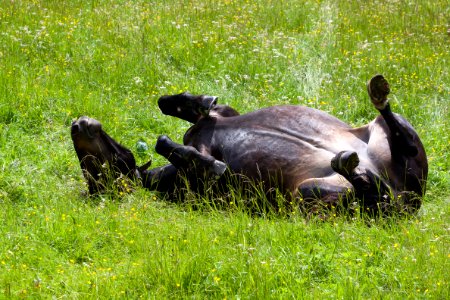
<point x="187" y="106"/>
<point x="345" y="162"/>
<point x="378" y="89"/>
<point x="164" y="145"/>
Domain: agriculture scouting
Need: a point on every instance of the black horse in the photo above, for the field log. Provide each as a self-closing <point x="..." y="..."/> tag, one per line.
<point x="301" y="152"/>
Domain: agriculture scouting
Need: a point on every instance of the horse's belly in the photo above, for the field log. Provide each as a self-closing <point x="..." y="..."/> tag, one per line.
<point x="287" y="160"/>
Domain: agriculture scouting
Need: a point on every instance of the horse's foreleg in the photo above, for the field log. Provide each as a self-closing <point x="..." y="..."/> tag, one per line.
<point x="189" y="159"/>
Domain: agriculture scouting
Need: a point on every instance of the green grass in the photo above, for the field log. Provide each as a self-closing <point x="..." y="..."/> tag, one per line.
<point x="112" y="59"/>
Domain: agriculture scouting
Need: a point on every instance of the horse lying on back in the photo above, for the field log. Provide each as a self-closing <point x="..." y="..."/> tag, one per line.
<point x="304" y="153"/>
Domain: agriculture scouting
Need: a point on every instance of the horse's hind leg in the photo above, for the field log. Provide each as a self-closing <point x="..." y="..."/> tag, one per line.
<point x="373" y="193"/>
<point x="406" y="149"/>
<point x="369" y="188"/>
<point x="402" y="136"/>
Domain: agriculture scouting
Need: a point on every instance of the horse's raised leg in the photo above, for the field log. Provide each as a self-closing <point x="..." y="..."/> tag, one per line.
<point x="408" y="157"/>
<point x="189" y="159"/>
<point x="187" y="106"/>
<point x="402" y="138"/>
<point x="193" y="107"/>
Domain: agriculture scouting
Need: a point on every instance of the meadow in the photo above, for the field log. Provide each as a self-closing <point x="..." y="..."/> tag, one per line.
<point x="112" y="59"/>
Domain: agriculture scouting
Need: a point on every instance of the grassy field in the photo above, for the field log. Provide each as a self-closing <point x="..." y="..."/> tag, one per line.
<point x="112" y="59"/>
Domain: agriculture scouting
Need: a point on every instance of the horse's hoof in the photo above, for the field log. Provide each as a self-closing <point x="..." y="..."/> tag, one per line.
<point x="345" y="162"/>
<point x="378" y="89"/>
<point x="164" y="145"/>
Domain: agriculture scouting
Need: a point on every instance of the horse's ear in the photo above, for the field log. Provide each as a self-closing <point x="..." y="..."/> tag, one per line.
<point x="145" y="166"/>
